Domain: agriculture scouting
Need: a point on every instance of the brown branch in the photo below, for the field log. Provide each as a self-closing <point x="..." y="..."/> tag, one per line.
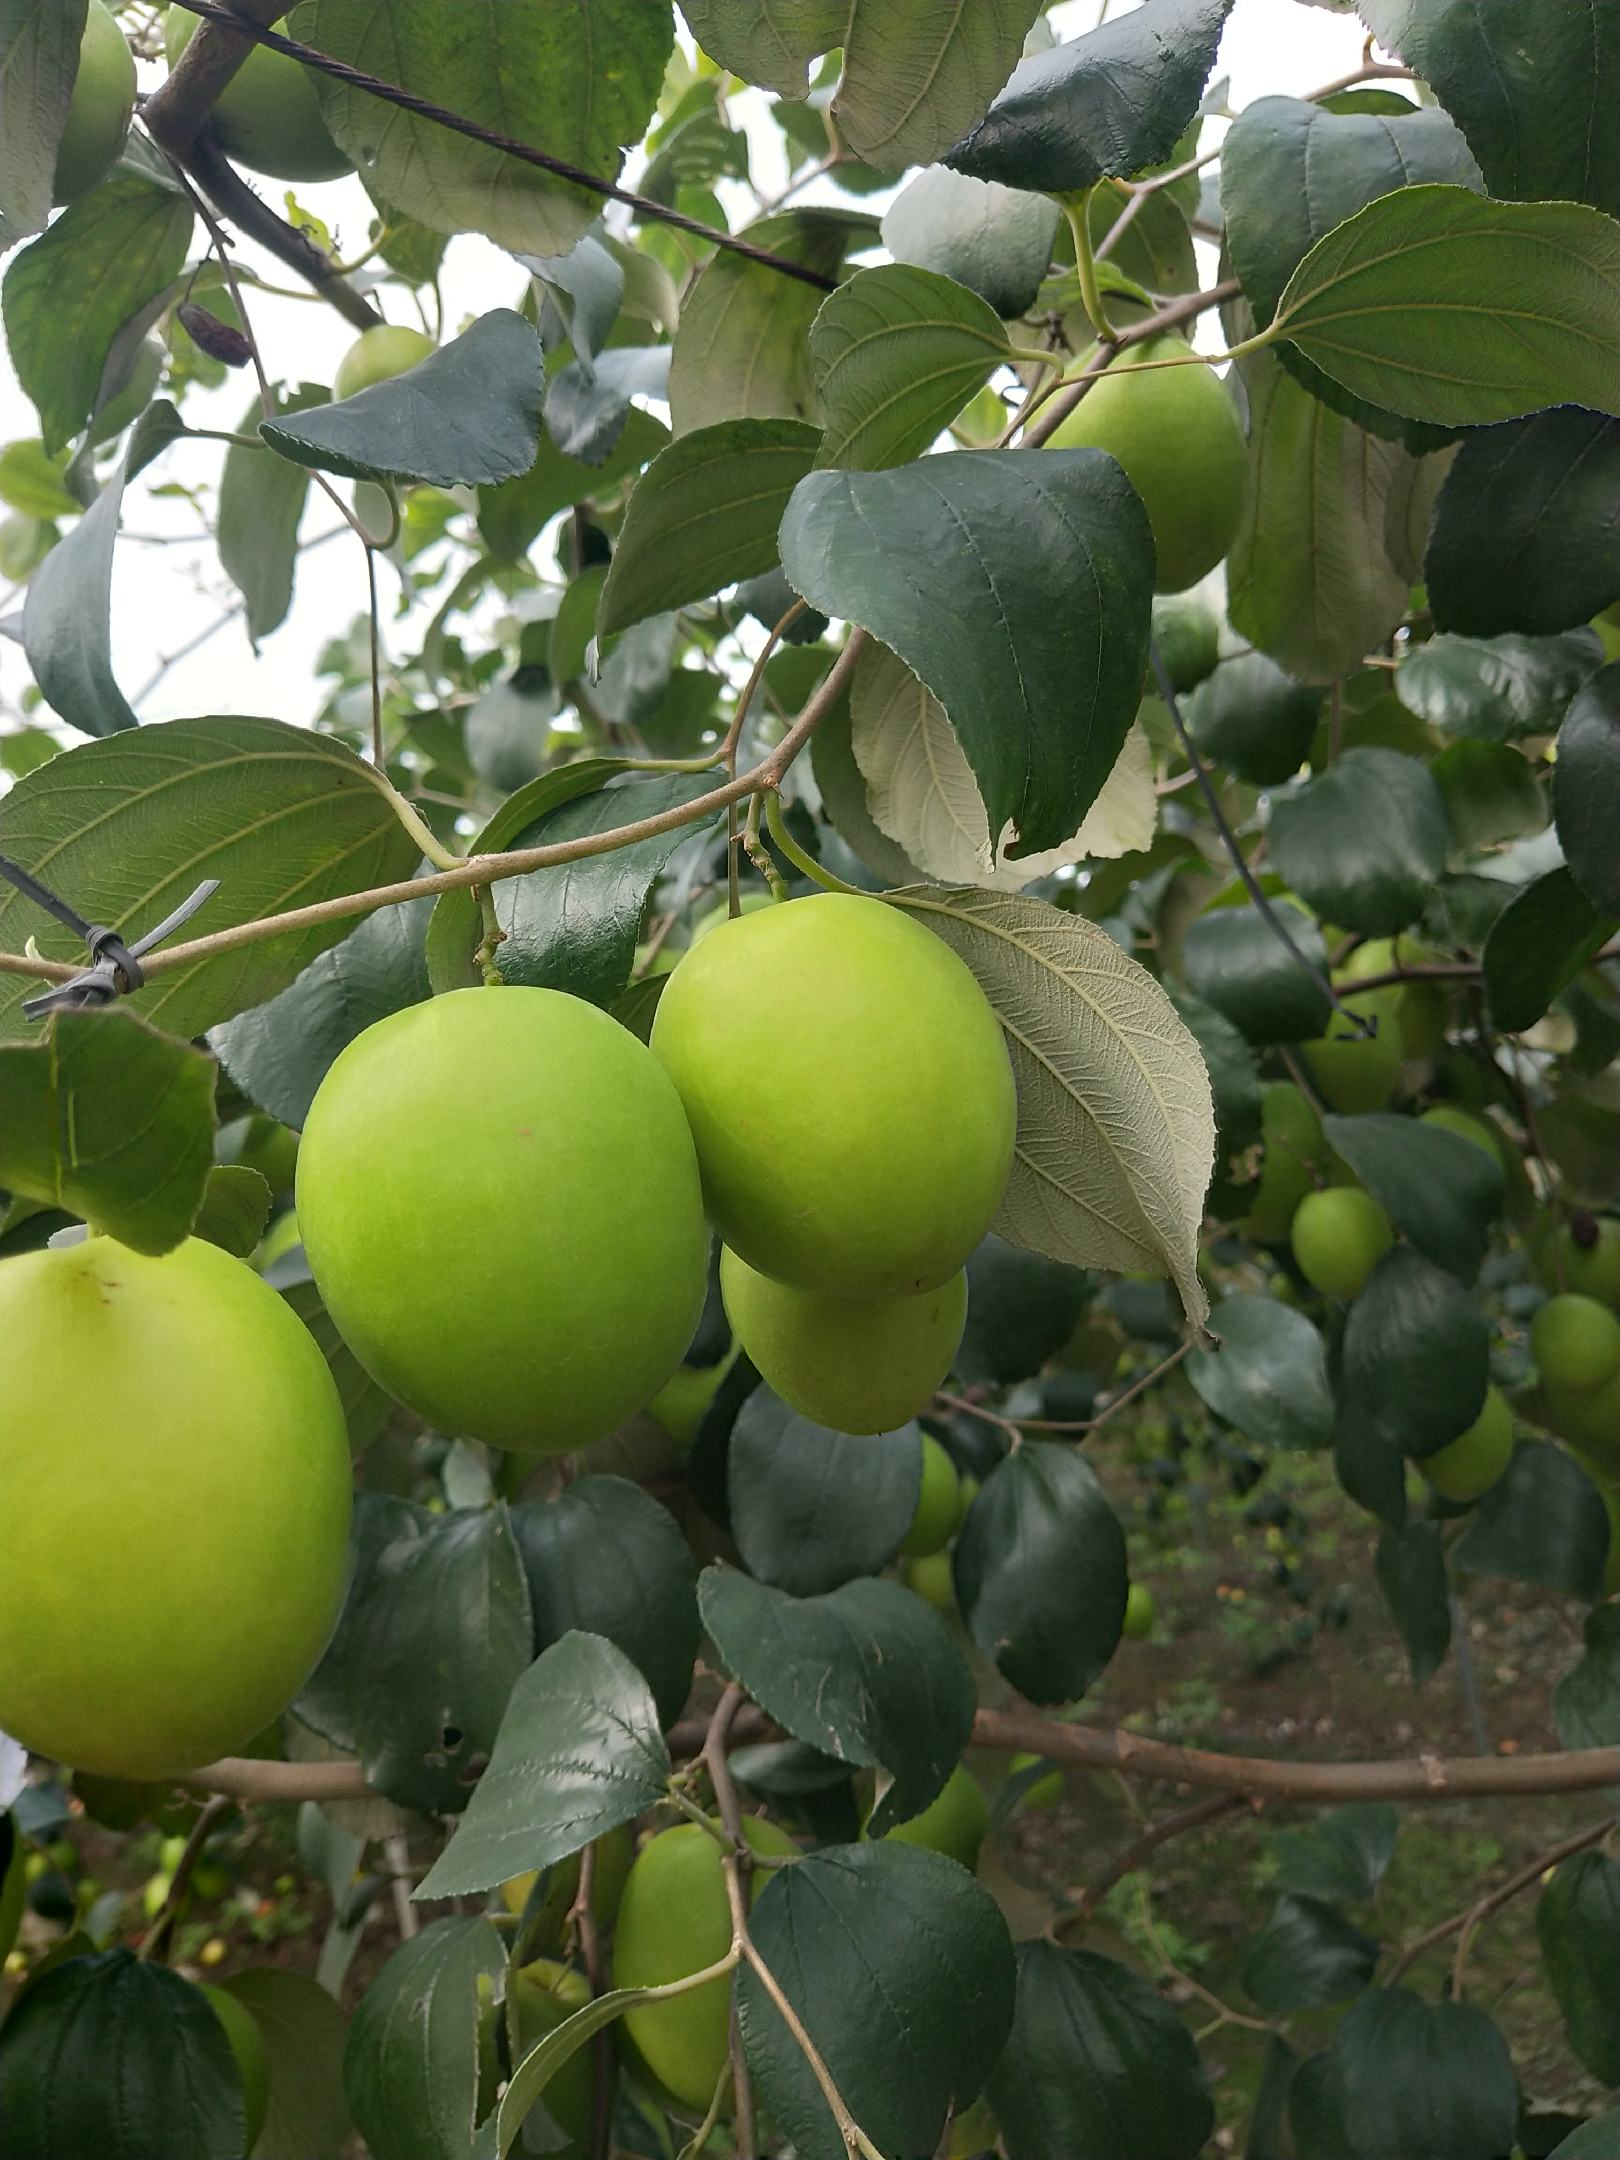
<point x="231" y="196"/>
<point x="1444" y="971"/>
<point x="155" y="1941"/>
<point x="582" y="1917"/>
<point x="1087" y="1899"/>
<point x="1057" y="404"/>
<point x="178" y="110"/>
<point x="1472" y="1917"/>
<point x="738" y="1868"/>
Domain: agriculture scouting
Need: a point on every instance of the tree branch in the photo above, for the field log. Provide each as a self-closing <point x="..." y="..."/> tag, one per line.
<point x="177" y="111"/>
<point x="1127" y="1862"/>
<point x="155" y="1941"/>
<point x="738" y="1866"/>
<point x="1444" y="971"/>
<point x="1472" y="1917"/>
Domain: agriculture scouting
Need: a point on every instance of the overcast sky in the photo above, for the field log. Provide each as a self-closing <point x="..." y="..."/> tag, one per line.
<point x="165" y="596"/>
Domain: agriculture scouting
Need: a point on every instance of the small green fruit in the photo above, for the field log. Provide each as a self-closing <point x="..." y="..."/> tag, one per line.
<point x="615" y="1851"/>
<point x="1292" y="1144"/>
<point x="1187" y="632"/>
<point x="1140" y="1613"/>
<point x="377" y="356"/>
<point x="1471" y="1464"/>
<point x="929" y="1576"/>
<point x="268" y="116"/>
<point x="1575" y="1342"/>
<point x="252" y="2060"/>
<point x="748" y="903"/>
<point x="1045" y="1792"/>
<point x="954" y="1823"/>
<point x="682" y="1403"/>
<point x="544" y="1996"/>
<point x="938" y="1503"/>
<point x="1590" y="1421"/>
<point x="1448" y="1117"/>
<point x="1338" y="1238"/>
<point x="1584" y="1256"/>
<point x="857" y="1365"/>
<point x="1358" y="1073"/>
<point x="102" y="106"/>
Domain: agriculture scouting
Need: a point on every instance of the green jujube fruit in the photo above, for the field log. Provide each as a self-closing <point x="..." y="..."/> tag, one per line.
<point x="615" y="1851"/>
<point x="939" y="1503"/>
<point x="849" y="1091"/>
<point x="174" y="1506"/>
<point x="1584" y="1258"/>
<point x="544" y="1996"/>
<point x="1292" y="1145"/>
<point x="674" y="1920"/>
<point x="1338" y="1237"/>
<point x="1470" y="1465"/>
<point x="1575" y="1342"/>
<point x="1589" y="1419"/>
<point x="858" y="1365"/>
<point x="101" y="107"/>
<point x="953" y="1823"/>
<point x="378" y="355"/>
<point x="1140" y="1613"/>
<point x="500" y="1206"/>
<point x="268" y="116"/>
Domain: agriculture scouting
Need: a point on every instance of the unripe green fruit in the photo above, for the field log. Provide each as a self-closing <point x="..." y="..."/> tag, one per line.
<point x="102" y="106"/>
<point x="849" y="1091"/>
<point x="929" y="1576"/>
<point x="377" y="356"/>
<point x="954" y="1823"/>
<point x="1140" y="1613"/>
<point x="252" y="2062"/>
<point x="1589" y="1420"/>
<point x="973" y="2132"/>
<point x="1188" y="635"/>
<point x="939" y="1503"/>
<point x="615" y="1851"/>
<point x="1045" y="1792"/>
<point x="1575" y="1342"/>
<point x="1178" y="436"/>
<point x="268" y="116"/>
<point x="1471" y="1464"/>
<point x="1292" y="1144"/>
<point x="749" y="903"/>
<point x="1338" y="1238"/>
<point x="544" y="1996"/>
<point x="1357" y="1073"/>
<point x="500" y="1206"/>
<point x="858" y="1365"/>
<point x="682" y="1403"/>
<point x="174" y="1506"/>
<point x="1593" y="1268"/>
<point x="675" y="1920"/>
<point x="1448" y="1117"/>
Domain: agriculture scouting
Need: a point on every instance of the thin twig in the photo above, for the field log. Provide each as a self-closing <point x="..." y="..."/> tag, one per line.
<point x="582" y="1922"/>
<point x="733" y="734"/>
<point x="1088" y="1898"/>
<point x="738" y="1867"/>
<point x="1069" y="1425"/>
<point x="155" y="1941"/>
<point x="1447" y="971"/>
<point x="1472" y="1916"/>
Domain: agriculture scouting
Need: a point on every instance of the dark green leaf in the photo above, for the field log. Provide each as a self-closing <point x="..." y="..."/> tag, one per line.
<point x="1538" y="945"/>
<point x="1268" y="2125"/>
<point x="1424" y="2081"/>
<point x="705" y="515"/>
<point x="604" y="1557"/>
<point x="1496" y="689"/>
<point x="66" y="619"/>
<point x="1491" y="794"/>
<point x="1109" y="103"/>
<point x="411" y="2067"/>
<point x="1234" y="1077"/>
<point x="1306" y="1956"/>
<point x="468" y="415"/>
<point x="279" y="1053"/>
<point x="1098" y="2064"/>
<point x="432" y="1639"/>
<point x="996" y="241"/>
<point x="579" y="1752"/>
<point x="1530" y="89"/>
<point x="1341" y="1856"/>
<point x="1386" y="304"/>
<point x="1268" y="1378"/>
<point x="1543" y="1521"/>
<point x="69" y="293"/>
<point x="867" y="1674"/>
<point x="1594" y="2140"/>
<point x="1441" y="1191"/>
<point x="39" y="60"/>
<point x="1316" y="2111"/>
<point x="1411" y="1567"/>
<point x="1586" y="789"/>
<point x="1526" y="532"/>
<point x="119" y="2058"/>
<point x="261" y="499"/>
<point x="105" y="1118"/>
<point x="1040" y="1573"/>
<point x="366" y="1407"/>
<point x="235" y="1208"/>
<point x="1364" y="842"/>
<point x="1416" y="1353"/>
<point x="844" y="798"/>
<point x="987" y="638"/>
<point x="1586" y="1701"/>
<point x="1254" y="719"/>
<point x="1236" y="962"/>
<point x="1578" y="1926"/>
<point x="898" y="352"/>
<point x="512" y="516"/>
<point x="303" y="2031"/>
<point x="899" y="1965"/>
<point x="810" y="1508"/>
<point x="1022" y="1309"/>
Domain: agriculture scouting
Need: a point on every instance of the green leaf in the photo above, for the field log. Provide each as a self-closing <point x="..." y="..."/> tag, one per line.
<point x="1416" y="1353"/>
<point x="279" y="1053"/>
<point x="1235" y="961"/>
<point x="1098" y="2063"/>
<point x="31" y="481"/>
<point x="1268" y="2124"/>
<point x="867" y="1674"/>
<point x="512" y="516"/>
<point x="986" y="637"/>
<point x="1586" y="1701"/>
<point x="1537" y="946"/>
<point x="579" y="1752"/>
<point x="303" y="2031"/>
<point x="1306" y="1956"/>
<point x="432" y="1640"/>
<point x="261" y="500"/>
<point x="68" y="294"/>
<point x="1411" y="1568"/>
<point x="996" y="241"/>
<point x="1040" y="1572"/>
<point x="1343" y="1856"/>
<point x="1594" y="2140"/>
<point x="1253" y="718"/>
<point x="533" y="70"/>
<point x="118" y="2057"/>
<point x="411" y="2067"/>
<point x="604" y="1557"/>
<point x="66" y="619"/>
<point x="1439" y="1190"/>
<point x="742" y="350"/>
<point x="1578" y="1927"/>
<point x="235" y="1208"/>
<point x="468" y="415"/>
<point x="1532" y="90"/>
<point x="1404" y="304"/>
<point x="1364" y="842"/>
<point x="1424" y="2078"/>
<point x="1543" y="1521"/>
<point x="704" y="516"/>
<point x="499" y="2131"/>
<point x="1491" y="794"/>
<point x="39" y="61"/>
<point x="914" y="76"/>
<point x="844" y="799"/>
<point x="1526" y="532"/>
<point x="900" y="1967"/>
<point x="1116" y="1126"/>
<point x="573" y="926"/>
<point x="812" y="1508"/>
<point x="105" y="1118"/>
<point x="1586" y="789"/>
<point x="281" y="816"/>
<point x="1111" y="102"/>
<point x="1496" y="689"/>
<point x="1268" y="1378"/>
<point x="897" y="353"/>
<point x="1022" y="1309"/>
<point x="367" y="1408"/>
<point x="1234" y="1077"/>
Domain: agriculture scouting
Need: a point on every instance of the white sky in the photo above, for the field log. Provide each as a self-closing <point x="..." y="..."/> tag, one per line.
<point x="164" y="596"/>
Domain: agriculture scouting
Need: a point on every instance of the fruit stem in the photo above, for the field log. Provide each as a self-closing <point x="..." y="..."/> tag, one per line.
<point x="784" y="842"/>
<point x="1074" y="209"/>
<point x="433" y="848"/>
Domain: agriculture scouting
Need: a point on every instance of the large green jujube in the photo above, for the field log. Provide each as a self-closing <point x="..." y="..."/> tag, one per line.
<point x="174" y="1506"/>
<point x="499" y="1203"/>
<point x="268" y="116"/>
<point x="102" y="106"/>
<point x="849" y="1091"/>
